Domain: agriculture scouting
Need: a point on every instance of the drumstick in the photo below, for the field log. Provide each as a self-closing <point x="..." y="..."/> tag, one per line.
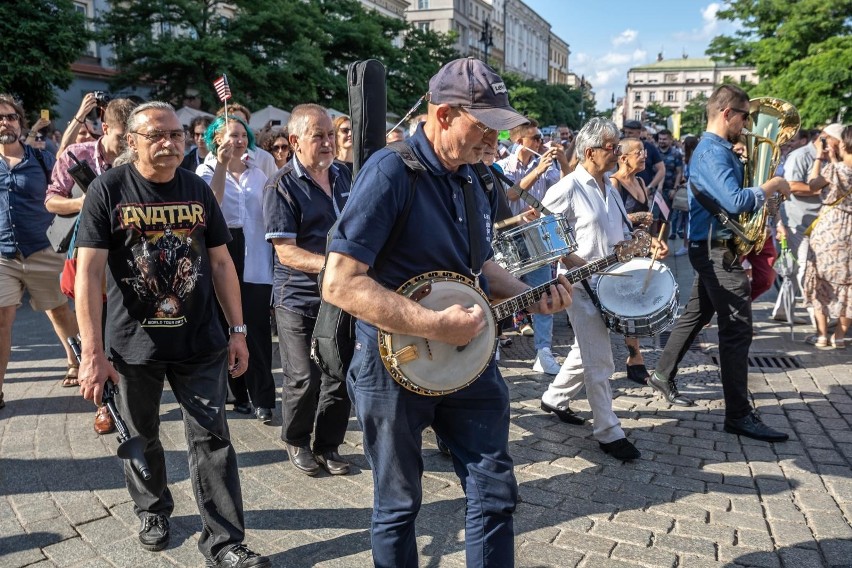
<point x="653" y="259"/>
<point x="510" y="221"/>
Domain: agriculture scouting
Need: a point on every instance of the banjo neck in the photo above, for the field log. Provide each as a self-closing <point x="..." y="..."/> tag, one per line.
<point x="528" y="298"/>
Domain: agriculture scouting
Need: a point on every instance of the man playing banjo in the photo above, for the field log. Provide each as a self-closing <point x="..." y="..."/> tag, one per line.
<point x="468" y="105"/>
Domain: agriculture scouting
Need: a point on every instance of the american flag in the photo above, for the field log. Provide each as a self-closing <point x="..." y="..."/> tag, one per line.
<point x="222" y="88"/>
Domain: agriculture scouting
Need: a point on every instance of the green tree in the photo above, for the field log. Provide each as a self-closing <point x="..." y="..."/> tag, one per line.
<point x="657" y="113"/>
<point x="693" y="120"/>
<point x="410" y="68"/>
<point x="788" y="41"/>
<point x="40" y="39"/>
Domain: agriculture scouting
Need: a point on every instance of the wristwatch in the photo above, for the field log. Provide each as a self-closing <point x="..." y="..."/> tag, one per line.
<point x="238" y="329"/>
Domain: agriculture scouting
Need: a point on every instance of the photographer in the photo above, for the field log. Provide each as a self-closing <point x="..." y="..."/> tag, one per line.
<point x="96" y="99"/>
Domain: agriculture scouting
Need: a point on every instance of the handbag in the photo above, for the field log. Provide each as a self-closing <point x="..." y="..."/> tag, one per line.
<point x="680" y="202"/>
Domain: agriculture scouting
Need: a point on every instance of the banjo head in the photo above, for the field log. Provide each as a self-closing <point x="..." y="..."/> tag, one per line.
<point x="431" y="367"/>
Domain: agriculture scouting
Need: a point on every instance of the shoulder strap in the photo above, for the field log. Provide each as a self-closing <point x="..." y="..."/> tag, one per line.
<point x="485" y="176"/>
<point x="720" y="214"/>
<point x="470" y="213"/>
<point x="40" y="157"/>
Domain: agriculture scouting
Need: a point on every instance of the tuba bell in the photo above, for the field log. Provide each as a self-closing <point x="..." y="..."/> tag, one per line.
<point x="773" y="123"/>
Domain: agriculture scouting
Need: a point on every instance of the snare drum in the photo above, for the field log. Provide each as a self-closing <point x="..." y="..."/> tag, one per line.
<point x="523" y="249"/>
<point x="629" y="311"/>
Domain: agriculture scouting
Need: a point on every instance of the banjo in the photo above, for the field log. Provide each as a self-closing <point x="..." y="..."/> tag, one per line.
<point x="434" y="368"/>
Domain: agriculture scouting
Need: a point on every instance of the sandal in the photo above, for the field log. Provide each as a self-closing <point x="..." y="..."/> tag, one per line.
<point x="838" y="343"/>
<point x="819" y="341"/>
<point x="637" y="373"/>
<point x="70" y="378"/>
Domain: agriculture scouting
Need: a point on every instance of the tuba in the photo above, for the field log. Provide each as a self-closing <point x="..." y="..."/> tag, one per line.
<point x="773" y="123"/>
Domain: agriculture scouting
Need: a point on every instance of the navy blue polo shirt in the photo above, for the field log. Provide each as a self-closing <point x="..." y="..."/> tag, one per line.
<point x="23" y="218"/>
<point x="652" y="158"/>
<point x="295" y="207"/>
<point x="436" y="234"/>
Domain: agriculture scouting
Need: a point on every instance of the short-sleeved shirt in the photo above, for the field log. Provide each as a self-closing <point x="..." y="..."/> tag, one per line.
<point x="62" y="183"/>
<point x="516" y="171"/>
<point x="799" y="211"/>
<point x="672" y="160"/>
<point x="652" y="158"/>
<point x="23" y="218"/>
<point x="161" y="304"/>
<point x="295" y="207"/>
<point x="717" y="172"/>
<point x="435" y="237"/>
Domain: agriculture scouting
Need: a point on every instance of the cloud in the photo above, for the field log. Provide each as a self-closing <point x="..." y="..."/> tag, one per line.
<point x="625" y="37"/>
<point x="710" y="25"/>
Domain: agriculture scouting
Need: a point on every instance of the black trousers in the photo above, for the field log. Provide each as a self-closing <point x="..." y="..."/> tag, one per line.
<point x="308" y="394"/>
<point x="257" y="383"/>
<point x="198" y="384"/>
<point x="721" y="287"/>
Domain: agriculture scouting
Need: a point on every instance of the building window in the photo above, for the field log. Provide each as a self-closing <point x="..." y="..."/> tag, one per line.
<point x="425" y="26"/>
<point x="637" y="114"/>
<point x="671" y="96"/>
<point x="83" y="8"/>
<point x="689" y="95"/>
<point x="637" y="98"/>
<point x="742" y="78"/>
<point x="423" y="5"/>
<point x="652" y="96"/>
<point x="690" y="80"/>
<point x="705" y="80"/>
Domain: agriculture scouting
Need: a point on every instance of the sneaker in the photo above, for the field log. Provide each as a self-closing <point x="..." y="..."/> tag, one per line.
<point x="240" y="556"/>
<point x="681" y="251"/>
<point x="527" y="330"/>
<point x="154" y="534"/>
<point x="545" y="362"/>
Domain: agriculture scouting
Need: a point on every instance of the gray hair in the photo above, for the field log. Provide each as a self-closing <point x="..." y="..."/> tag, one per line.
<point x="133" y="123"/>
<point x="594" y="134"/>
<point x="300" y="118"/>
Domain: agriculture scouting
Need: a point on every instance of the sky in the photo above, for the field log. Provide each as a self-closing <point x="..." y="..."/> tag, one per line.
<point x="608" y="38"/>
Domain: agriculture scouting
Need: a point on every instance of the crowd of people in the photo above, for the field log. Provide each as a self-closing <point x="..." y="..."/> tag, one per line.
<point x="197" y="243"/>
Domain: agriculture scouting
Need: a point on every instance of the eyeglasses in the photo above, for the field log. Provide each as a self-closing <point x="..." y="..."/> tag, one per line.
<point x="197" y="134"/>
<point x="174" y="136"/>
<point x="39" y="137"/>
<point x="615" y="149"/>
<point x="537" y="138"/>
<point x="484" y="129"/>
<point x="345" y="130"/>
<point x="13" y="117"/>
<point x="744" y="113"/>
<point x="280" y="147"/>
<point x="638" y="152"/>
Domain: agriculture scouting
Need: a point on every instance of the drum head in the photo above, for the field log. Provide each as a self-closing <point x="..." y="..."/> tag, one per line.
<point x="623" y="296"/>
<point x="441" y="368"/>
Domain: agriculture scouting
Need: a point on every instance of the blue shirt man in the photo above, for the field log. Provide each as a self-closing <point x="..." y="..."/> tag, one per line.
<point x="23" y="218"/>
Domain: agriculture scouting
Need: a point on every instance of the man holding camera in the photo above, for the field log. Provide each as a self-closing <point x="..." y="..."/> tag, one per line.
<point x="26" y="259"/>
<point x="99" y="155"/>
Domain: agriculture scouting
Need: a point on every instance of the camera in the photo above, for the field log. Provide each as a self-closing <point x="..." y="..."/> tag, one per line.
<point x="102" y="98"/>
<point x="824" y="140"/>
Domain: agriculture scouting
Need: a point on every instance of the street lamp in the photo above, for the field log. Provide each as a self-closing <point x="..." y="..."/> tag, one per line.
<point x="487" y="38"/>
<point x="582" y="100"/>
<point x="612" y="107"/>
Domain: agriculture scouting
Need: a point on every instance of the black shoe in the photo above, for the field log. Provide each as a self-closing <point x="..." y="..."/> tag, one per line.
<point x="751" y="426"/>
<point x="264" y="415"/>
<point x="302" y="459"/>
<point x="242" y="407"/>
<point x="621" y="449"/>
<point x="637" y="373"/>
<point x="564" y="413"/>
<point x="332" y="462"/>
<point x="442" y="447"/>
<point x="2" y="402"/>
<point x="669" y="390"/>
<point x="240" y="556"/>
<point x="154" y="534"/>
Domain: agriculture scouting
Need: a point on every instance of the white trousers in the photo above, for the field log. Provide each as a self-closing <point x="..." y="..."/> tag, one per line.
<point x="589" y="364"/>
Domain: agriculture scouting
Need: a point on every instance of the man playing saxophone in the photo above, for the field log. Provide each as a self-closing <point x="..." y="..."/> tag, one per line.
<point x="721" y="285"/>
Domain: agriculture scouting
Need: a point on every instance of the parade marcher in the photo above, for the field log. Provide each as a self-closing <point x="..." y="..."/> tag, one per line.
<point x="468" y="105"/>
<point x="158" y="233"/>
<point x="721" y="286"/>
<point x="27" y="261"/>
<point x="300" y="205"/>
<point x="654" y="173"/>
<point x="238" y="186"/>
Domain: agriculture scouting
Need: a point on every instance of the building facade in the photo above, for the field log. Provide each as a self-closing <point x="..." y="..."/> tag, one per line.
<point x="559" y="52"/>
<point x="673" y="83"/>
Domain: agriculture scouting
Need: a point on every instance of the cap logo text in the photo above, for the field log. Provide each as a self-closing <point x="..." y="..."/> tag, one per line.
<point x="499" y="88"/>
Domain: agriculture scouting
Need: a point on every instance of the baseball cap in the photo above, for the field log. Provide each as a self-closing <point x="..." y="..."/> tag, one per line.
<point x="835" y="130"/>
<point x="471" y="84"/>
<point x="633" y="124"/>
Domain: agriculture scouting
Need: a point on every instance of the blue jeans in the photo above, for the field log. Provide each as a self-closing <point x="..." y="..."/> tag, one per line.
<point x="542" y="324"/>
<point x="473" y="422"/>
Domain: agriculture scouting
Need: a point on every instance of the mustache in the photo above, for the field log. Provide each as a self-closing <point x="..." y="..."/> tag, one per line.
<point x="163" y="153"/>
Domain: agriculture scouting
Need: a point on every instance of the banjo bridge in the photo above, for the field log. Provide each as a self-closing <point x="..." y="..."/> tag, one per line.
<point x="405" y="355"/>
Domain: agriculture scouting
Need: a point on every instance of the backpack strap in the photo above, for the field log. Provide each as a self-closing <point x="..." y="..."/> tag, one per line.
<point x="40" y="157"/>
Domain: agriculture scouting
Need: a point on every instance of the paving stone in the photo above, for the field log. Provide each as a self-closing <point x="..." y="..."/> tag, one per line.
<point x="585" y="543"/>
<point x="644" y="556"/>
<point x="70" y="552"/>
<point x="685" y="544"/>
<point x="597" y="561"/>
<point x="790" y="533"/>
<point x="706" y="531"/>
<point x="543" y="555"/>
<point x="802" y="557"/>
<point x="623" y="533"/>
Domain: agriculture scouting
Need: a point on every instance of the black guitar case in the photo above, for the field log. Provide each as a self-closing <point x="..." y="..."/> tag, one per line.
<point x="368" y="109"/>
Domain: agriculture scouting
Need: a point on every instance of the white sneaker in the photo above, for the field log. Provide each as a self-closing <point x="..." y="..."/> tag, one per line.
<point x="545" y="362"/>
<point x="681" y="251"/>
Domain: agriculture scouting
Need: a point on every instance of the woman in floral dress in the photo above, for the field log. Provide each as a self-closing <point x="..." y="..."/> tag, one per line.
<point x="828" y="272"/>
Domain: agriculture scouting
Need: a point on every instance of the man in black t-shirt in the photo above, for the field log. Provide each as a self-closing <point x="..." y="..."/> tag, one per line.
<point x="160" y="236"/>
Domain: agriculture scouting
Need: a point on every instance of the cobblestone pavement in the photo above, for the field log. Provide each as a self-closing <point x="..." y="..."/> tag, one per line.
<point x="698" y="497"/>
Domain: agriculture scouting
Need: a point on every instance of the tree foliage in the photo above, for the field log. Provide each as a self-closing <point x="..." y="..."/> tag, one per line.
<point x="657" y="113"/>
<point x="800" y="48"/>
<point x="39" y="39"/>
<point x="549" y="104"/>
<point x="693" y="119"/>
<point x="278" y="52"/>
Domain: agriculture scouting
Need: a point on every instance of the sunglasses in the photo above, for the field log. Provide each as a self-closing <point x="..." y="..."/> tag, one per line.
<point x="280" y="147"/>
<point x="13" y="117"/>
<point x="744" y="113"/>
<point x="345" y="130"/>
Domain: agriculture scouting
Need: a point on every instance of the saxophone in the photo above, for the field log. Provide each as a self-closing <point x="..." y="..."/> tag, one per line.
<point x="773" y="123"/>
